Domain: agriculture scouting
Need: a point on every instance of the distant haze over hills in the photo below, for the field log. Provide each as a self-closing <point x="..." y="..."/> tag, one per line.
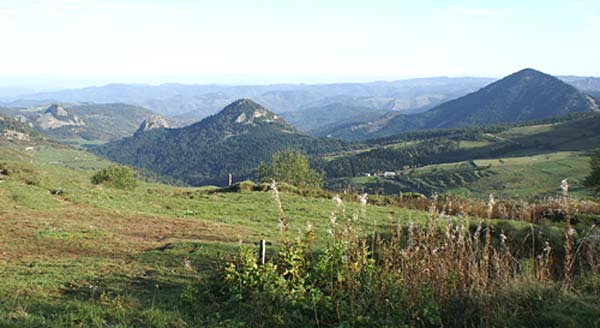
<point x="198" y="101"/>
<point x="317" y="109"/>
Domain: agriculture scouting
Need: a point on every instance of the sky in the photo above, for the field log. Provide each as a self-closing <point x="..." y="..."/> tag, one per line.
<point x="60" y="43"/>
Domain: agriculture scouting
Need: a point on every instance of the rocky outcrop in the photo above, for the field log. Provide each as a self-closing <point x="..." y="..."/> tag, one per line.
<point x="57" y="116"/>
<point x="152" y="122"/>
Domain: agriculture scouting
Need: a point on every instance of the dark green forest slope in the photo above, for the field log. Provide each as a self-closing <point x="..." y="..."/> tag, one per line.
<point x="233" y="141"/>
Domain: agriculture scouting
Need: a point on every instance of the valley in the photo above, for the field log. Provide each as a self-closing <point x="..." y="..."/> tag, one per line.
<point x="178" y="247"/>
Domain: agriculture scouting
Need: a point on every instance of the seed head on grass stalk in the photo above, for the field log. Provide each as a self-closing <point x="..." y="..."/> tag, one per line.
<point x="283" y="223"/>
<point x="564" y="185"/>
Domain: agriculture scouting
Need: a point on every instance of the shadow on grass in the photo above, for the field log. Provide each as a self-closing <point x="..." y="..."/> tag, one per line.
<point x="145" y="293"/>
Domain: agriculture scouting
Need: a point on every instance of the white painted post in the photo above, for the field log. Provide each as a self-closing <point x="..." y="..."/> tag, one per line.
<point x="262" y="252"/>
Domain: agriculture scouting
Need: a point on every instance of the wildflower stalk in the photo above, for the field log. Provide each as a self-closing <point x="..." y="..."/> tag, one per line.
<point x="283" y="223"/>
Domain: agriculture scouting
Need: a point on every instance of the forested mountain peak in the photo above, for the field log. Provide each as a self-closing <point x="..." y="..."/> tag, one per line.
<point x="522" y="96"/>
<point x="525" y="79"/>
<point x="233" y="141"/>
<point x="246" y="111"/>
<point x="525" y="95"/>
<point x="241" y="117"/>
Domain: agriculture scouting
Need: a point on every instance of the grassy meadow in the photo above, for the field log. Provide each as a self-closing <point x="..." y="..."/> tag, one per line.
<point x="74" y="254"/>
<point x="523" y="177"/>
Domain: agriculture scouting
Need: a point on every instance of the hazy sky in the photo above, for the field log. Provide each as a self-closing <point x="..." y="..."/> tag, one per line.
<point x="46" y="42"/>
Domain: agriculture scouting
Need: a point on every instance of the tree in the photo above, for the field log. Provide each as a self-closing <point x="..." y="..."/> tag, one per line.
<point x="593" y="180"/>
<point x="264" y="172"/>
<point x="291" y="167"/>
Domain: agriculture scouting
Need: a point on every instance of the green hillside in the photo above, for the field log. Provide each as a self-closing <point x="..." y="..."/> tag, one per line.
<point x="523" y="160"/>
<point x="507" y="177"/>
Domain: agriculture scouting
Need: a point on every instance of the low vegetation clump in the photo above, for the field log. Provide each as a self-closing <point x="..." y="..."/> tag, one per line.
<point x="439" y="273"/>
<point x="4" y="169"/>
<point x="116" y="176"/>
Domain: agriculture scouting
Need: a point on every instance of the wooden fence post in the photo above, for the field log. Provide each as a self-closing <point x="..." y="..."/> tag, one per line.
<point x="262" y="252"/>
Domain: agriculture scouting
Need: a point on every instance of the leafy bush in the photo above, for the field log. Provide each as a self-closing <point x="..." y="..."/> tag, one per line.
<point x="116" y="176"/>
<point x="593" y="180"/>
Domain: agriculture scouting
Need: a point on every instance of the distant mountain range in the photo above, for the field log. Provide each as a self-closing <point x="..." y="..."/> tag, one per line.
<point x="351" y="111"/>
<point x="312" y="108"/>
<point x="316" y="118"/>
<point x="233" y="141"/>
<point x="587" y="84"/>
<point x="522" y="96"/>
<point x="193" y="102"/>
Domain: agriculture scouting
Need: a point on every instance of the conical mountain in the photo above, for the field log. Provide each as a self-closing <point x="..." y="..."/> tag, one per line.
<point x="248" y="112"/>
<point x="240" y="117"/>
<point x="522" y="96"/>
<point x="234" y="140"/>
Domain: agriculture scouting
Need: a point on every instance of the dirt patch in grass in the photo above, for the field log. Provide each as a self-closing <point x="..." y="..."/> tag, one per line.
<point x="78" y="231"/>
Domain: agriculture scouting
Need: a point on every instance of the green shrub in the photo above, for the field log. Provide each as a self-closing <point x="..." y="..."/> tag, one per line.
<point x="241" y="186"/>
<point x="593" y="180"/>
<point x="116" y="176"/>
<point x="4" y="169"/>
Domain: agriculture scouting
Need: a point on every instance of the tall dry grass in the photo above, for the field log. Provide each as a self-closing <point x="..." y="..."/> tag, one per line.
<point x="550" y="207"/>
<point x="437" y="273"/>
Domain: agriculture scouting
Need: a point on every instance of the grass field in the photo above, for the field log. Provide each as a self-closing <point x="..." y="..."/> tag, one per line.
<point x="89" y="254"/>
<point x="74" y="254"/>
<point x="515" y="177"/>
